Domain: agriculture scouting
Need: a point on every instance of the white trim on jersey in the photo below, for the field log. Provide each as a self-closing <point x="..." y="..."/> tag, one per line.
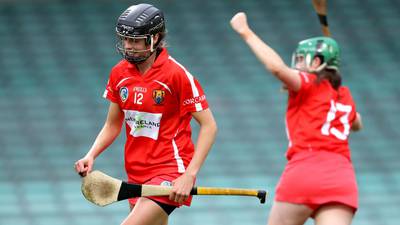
<point x="179" y="161"/>
<point x="105" y="93"/>
<point x="305" y="77"/>
<point x="191" y="79"/>
<point x="164" y="85"/>
<point x="126" y="78"/>
<point x="287" y="133"/>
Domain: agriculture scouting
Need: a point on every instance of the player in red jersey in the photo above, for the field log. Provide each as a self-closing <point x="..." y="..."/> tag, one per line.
<point x="318" y="180"/>
<point x="157" y="98"/>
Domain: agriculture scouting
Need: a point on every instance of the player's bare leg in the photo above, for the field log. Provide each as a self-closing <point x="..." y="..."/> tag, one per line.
<point x="284" y="213"/>
<point x="146" y="212"/>
<point x="132" y="206"/>
<point x="334" y="214"/>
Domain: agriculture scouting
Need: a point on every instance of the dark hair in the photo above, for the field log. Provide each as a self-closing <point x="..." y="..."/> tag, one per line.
<point x="333" y="76"/>
<point x="161" y="43"/>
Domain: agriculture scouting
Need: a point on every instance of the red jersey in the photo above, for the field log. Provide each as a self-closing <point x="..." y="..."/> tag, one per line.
<point x="157" y="107"/>
<point x="319" y="117"/>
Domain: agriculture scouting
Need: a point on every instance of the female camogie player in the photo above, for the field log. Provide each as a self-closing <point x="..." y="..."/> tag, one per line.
<point x="157" y="98"/>
<point x="319" y="179"/>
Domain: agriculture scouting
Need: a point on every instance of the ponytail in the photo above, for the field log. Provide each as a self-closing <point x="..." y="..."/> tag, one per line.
<point x="333" y="76"/>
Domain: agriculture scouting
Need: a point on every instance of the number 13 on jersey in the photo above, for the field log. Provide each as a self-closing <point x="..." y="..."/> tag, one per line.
<point x="328" y="129"/>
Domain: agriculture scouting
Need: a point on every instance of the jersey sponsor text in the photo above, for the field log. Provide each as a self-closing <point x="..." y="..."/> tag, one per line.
<point x="194" y="100"/>
<point x="143" y="123"/>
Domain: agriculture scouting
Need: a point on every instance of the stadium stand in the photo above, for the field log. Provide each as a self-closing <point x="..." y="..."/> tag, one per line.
<point x="55" y="57"/>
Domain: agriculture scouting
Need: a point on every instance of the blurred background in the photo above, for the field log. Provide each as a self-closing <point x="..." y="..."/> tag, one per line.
<point x="55" y="58"/>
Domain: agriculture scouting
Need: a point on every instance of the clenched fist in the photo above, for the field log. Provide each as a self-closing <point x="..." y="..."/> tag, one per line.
<point x="239" y="23"/>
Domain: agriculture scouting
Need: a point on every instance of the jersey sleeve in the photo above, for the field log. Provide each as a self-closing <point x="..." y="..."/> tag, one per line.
<point x="306" y="81"/>
<point x="111" y="92"/>
<point x="191" y="96"/>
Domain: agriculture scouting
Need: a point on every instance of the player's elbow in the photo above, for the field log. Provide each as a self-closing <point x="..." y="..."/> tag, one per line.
<point x="357" y="124"/>
<point x="213" y="128"/>
<point x="356" y="127"/>
<point x="277" y="70"/>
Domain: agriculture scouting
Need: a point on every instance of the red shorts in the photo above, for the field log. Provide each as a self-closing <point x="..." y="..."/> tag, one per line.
<point x="165" y="179"/>
<point x="317" y="178"/>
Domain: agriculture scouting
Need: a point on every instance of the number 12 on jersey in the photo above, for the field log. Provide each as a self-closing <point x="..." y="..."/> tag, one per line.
<point x="328" y="129"/>
<point x="137" y="98"/>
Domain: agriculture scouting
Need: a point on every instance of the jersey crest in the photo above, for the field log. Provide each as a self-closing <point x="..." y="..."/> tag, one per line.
<point x="158" y="96"/>
<point x="123" y="94"/>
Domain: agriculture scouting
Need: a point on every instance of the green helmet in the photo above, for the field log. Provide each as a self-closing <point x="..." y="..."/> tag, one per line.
<point x="325" y="47"/>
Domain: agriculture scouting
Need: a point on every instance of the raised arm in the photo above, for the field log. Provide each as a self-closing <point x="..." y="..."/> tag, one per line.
<point x="271" y="60"/>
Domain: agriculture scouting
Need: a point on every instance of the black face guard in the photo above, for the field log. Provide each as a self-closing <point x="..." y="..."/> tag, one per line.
<point x="128" y="53"/>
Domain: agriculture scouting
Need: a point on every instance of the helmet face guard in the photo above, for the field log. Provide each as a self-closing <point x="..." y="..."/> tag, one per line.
<point x="139" y="22"/>
<point x="323" y="47"/>
<point x="129" y="53"/>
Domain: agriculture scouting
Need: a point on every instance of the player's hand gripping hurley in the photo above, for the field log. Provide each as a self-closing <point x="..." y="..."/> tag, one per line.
<point x="102" y="190"/>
